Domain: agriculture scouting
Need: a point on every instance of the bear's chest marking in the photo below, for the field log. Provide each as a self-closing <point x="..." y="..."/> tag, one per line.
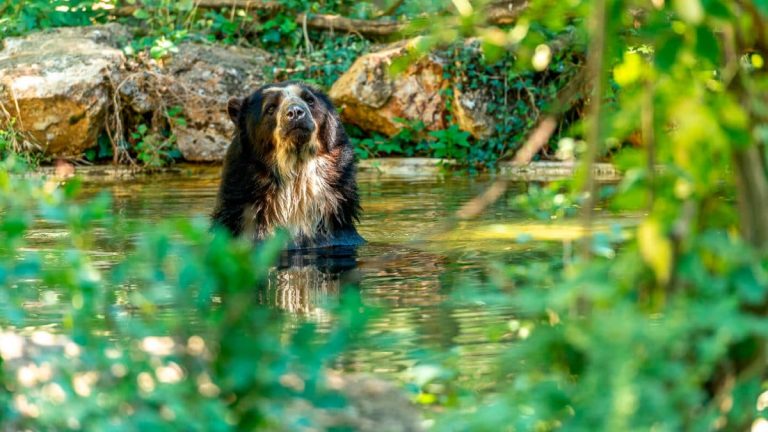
<point x="303" y="203"/>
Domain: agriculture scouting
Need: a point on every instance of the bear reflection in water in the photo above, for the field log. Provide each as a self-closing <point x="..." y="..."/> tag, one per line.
<point x="306" y="280"/>
<point x="310" y="282"/>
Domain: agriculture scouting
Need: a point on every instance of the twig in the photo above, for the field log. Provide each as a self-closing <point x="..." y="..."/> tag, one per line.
<point x="532" y="98"/>
<point x="118" y="152"/>
<point x="306" y="34"/>
<point x="649" y="140"/>
<point x="191" y="14"/>
<point x="538" y="139"/>
<point x="596" y="65"/>
<point x="16" y="104"/>
<point x="23" y="141"/>
<point x="478" y="204"/>
<point x="565" y="100"/>
<point x="391" y="9"/>
<point x="506" y="110"/>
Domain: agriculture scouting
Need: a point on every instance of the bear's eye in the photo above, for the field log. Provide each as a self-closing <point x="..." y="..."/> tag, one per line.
<point x="310" y="100"/>
<point x="271" y="109"/>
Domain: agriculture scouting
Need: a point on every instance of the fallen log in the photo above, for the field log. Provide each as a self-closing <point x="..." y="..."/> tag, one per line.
<point x="340" y="23"/>
<point x="502" y="12"/>
<point x="496" y="13"/>
<point x="129" y="10"/>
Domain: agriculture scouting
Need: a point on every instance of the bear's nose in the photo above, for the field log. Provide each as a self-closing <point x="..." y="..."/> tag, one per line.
<point x="294" y="112"/>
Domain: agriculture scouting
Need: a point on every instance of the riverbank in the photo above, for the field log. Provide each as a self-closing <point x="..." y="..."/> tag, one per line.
<point x="400" y="167"/>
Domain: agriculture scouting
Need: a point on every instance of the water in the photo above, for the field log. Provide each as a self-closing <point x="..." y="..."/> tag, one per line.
<point x="413" y="265"/>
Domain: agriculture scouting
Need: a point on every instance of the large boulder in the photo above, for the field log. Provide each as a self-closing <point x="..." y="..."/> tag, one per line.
<point x="373" y="98"/>
<point x="199" y="79"/>
<point x="57" y="85"/>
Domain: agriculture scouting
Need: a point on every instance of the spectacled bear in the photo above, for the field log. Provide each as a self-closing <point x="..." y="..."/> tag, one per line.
<point x="290" y="166"/>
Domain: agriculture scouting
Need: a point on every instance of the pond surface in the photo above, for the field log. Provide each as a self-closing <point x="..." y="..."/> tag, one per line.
<point x="412" y="264"/>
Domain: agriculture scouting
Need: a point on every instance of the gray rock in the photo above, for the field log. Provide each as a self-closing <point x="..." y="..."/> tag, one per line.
<point x="199" y="79"/>
<point x="57" y="85"/>
<point x="372" y="405"/>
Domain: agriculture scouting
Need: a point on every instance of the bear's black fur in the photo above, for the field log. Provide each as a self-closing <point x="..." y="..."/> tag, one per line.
<point x="290" y="166"/>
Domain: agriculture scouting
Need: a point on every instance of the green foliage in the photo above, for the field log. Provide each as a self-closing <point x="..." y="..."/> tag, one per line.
<point x="164" y="24"/>
<point x="450" y="143"/>
<point x="229" y="29"/>
<point x="115" y="359"/>
<point x="517" y="98"/>
<point x="329" y="58"/>
<point x="549" y="202"/>
<point x="156" y="149"/>
<point x="22" y="16"/>
<point x="280" y="31"/>
<point x="14" y="143"/>
<point x="408" y="141"/>
<point x="414" y="140"/>
<point x="666" y="331"/>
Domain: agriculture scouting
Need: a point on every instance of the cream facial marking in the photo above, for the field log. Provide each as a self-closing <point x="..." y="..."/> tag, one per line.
<point x="288" y="160"/>
<point x="291" y="90"/>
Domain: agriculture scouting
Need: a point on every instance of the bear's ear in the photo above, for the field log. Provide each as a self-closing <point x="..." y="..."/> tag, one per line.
<point x="234" y="106"/>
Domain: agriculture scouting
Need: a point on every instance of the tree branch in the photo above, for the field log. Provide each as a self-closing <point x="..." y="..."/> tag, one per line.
<point x="574" y="91"/>
<point x="391" y="9"/>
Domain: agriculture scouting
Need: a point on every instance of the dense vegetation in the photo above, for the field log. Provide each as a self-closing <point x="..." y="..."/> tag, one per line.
<point x="125" y="364"/>
<point x="664" y="329"/>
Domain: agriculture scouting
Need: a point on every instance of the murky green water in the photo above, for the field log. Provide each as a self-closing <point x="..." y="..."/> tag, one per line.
<point x="410" y="265"/>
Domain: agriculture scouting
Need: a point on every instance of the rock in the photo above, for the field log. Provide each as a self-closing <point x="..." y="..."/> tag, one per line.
<point x="372" y="405"/>
<point x="470" y="112"/>
<point x="199" y="79"/>
<point x="371" y="98"/>
<point x="57" y="85"/>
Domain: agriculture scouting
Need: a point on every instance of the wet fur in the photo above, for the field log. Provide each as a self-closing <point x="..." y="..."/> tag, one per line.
<point x="274" y="179"/>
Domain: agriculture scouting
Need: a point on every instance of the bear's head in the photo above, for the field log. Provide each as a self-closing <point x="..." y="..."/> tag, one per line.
<point x="285" y="124"/>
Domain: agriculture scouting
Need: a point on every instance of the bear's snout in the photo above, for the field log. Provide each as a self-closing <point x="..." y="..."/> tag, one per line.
<point x="295" y="113"/>
<point x="296" y="123"/>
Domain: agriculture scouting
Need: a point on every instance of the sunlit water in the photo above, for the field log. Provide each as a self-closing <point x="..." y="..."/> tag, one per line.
<point x="431" y="278"/>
